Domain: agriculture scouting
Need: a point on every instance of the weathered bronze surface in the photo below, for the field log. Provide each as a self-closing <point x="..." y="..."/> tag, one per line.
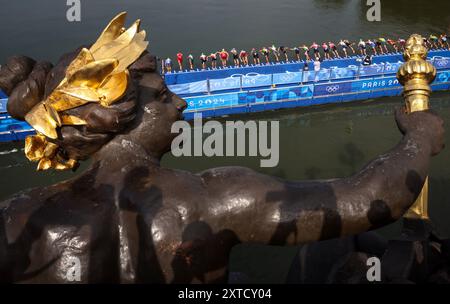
<point x="127" y="219"/>
<point x="416" y="75"/>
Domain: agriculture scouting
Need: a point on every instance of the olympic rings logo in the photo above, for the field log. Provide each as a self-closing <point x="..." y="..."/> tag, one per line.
<point x="441" y="63"/>
<point x="287" y="77"/>
<point x="332" y="89"/>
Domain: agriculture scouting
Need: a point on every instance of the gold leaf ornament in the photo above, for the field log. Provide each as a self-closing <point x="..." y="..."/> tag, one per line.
<point x="98" y="74"/>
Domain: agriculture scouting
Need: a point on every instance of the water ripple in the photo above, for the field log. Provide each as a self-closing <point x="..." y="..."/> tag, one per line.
<point x="9" y="152"/>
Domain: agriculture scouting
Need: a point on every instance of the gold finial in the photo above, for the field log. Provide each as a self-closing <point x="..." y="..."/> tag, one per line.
<point x="98" y="74"/>
<point x="416" y="75"/>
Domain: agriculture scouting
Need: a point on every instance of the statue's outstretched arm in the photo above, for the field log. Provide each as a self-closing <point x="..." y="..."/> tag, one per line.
<point x="265" y="209"/>
<point x="387" y="187"/>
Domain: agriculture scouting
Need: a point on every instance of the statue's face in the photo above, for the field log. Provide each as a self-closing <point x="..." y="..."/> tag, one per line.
<point x="159" y="108"/>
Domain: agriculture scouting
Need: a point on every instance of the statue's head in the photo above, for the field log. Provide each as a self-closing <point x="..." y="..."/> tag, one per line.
<point x="92" y="97"/>
<point x="157" y="108"/>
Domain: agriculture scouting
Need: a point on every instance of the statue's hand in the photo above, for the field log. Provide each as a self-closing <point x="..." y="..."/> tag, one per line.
<point x="23" y="80"/>
<point x="425" y="126"/>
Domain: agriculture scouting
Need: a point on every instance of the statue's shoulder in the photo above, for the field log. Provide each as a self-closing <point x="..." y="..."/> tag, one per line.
<point x="26" y="198"/>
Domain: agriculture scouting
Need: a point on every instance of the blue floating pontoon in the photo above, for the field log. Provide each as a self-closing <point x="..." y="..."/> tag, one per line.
<point x="275" y="86"/>
<point x="227" y="91"/>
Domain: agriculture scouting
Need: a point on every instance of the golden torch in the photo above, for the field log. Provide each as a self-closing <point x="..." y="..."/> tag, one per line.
<point x="416" y="75"/>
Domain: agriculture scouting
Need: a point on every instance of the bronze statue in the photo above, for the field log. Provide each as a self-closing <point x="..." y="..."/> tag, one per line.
<point x="127" y="219"/>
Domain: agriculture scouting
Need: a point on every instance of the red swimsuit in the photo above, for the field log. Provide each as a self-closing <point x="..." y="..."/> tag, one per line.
<point x="180" y="57"/>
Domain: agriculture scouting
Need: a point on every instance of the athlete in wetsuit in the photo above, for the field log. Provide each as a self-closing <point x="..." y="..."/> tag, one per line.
<point x="275" y="52"/>
<point x="203" y="59"/>
<point x="191" y="61"/>
<point x="393" y="44"/>
<point x="168" y="65"/>
<point x="334" y="49"/>
<point x="297" y="52"/>
<point x="344" y="47"/>
<point x="265" y="52"/>
<point x="350" y="45"/>
<point x="243" y="57"/>
<point x="379" y="47"/>
<point x="401" y="42"/>
<point x="434" y="40"/>
<point x="381" y="44"/>
<point x="443" y="40"/>
<point x="362" y="47"/>
<point x="373" y="45"/>
<point x="326" y="50"/>
<point x="213" y="57"/>
<point x="235" y="54"/>
<point x="315" y="48"/>
<point x="283" y="50"/>
<point x="306" y="50"/>
<point x="255" y="55"/>
<point x="224" y="57"/>
<point x="180" y="60"/>
<point x="384" y="44"/>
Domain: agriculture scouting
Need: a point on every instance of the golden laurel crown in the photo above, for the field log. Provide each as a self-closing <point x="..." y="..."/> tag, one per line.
<point x="98" y="74"/>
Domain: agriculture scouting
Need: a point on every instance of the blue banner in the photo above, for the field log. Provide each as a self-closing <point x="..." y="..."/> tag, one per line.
<point x="340" y="73"/>
<point x="392" y="68"/>
<point x="225" y="84"/>
<point x="179" y="88"/>
<point x="257" y="96"/>
<point x="2" y="95"/>
<point x="277" y="94"/>
<point x="189" y="88"/>
<point x="442" y="63"/>
<point x="249" y="81"/>
<point x="374" y="84"/>
<point x="287" y="78"/>
<point x="332" y="88"/>
<point x="3" y="103"/>
<point x="293" y="93"/>
<point x="371" y="70"/>
<point x="313" y="76"/>
<point x="211" y="101"/>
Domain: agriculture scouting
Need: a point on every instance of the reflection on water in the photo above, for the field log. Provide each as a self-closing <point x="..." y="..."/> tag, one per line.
<point x="201" y="25"/>
<point x="434" y="14"/>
